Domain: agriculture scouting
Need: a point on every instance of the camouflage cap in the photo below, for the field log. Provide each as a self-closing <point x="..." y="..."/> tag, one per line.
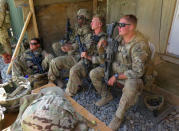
<point x="83" y="12"/>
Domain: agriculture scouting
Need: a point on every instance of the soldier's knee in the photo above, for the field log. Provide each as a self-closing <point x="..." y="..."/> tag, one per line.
<point x="92" y="74"/>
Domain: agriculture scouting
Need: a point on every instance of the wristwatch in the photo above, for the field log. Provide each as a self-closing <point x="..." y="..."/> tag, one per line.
<point x="116" y="75"/>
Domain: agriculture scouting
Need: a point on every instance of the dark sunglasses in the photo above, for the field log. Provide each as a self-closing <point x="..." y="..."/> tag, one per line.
<point x="80" y="17"/>
<point x="122" y="24"/>
<point x="34" y="43"/>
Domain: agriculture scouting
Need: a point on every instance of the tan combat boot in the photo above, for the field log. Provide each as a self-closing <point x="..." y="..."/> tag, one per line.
<point x="115" y="123"/>
<point x="104" y="100"/>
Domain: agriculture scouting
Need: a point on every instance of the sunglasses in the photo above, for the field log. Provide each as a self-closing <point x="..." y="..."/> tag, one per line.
<point x="80" y="17"/>
<point x="122" y="24"/>
<point x="34" y="43"/>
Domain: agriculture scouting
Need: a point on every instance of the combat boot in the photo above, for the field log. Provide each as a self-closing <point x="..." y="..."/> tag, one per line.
<point x="68" y="92"/>
<point x="115" y="123"/>
<point x="104" y="100"/>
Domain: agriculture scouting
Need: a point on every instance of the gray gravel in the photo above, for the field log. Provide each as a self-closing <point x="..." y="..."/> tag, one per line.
<point x="3" y="69"/>
<point x="137" y="118"/>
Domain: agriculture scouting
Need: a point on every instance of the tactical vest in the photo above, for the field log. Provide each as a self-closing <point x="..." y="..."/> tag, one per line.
<point x="123" y="57"/>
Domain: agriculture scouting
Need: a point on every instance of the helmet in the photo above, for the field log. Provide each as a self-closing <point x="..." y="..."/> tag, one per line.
<point x="83" y="12"/>
<point x="51" y="111"/>
<point x="12" y="91"/>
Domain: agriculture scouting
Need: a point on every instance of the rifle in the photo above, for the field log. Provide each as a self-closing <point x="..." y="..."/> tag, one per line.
<point x="82" y="48"/>
<point x="36" y="61"/>
<point x="110" y="53"/>
<point x="68" y="32"/>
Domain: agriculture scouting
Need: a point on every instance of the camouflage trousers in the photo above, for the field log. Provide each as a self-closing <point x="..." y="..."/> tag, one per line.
<point x="57" y="49"/>
<point x="5" y="40"/>
<point x="77" y="72"/>
<point x="58" y="64"/>
<point x="131" y="91"/>
<point x="97" y="78"/>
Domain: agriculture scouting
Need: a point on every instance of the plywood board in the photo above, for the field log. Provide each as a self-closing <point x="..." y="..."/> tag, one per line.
<point x="149" y="16"/>
<point x="118" y="8"/>
<point x="166" y="21"/>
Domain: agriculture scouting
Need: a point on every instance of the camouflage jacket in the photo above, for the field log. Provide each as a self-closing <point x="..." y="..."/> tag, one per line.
<point x="85" y="35"/>
<point x="132" y="58"/>
<point x="49" y="110"/>
<point x="98" y="54"/>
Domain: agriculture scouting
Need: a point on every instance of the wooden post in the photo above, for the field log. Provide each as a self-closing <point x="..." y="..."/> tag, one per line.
<point x="95" y="6"/>
<point x="31" y="4"/>
<point x="19" y="41"/>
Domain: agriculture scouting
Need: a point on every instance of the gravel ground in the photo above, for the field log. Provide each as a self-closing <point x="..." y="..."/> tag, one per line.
<point x="137" y="118"/>
<point x="3" y="69"/>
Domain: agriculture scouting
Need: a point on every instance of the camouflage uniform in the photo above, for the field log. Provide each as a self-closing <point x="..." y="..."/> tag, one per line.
<point x="67" y="61"/>
<point x="130" y="60"/>
<point x="22" y="66"/>
<point x="77" y="30"/>
<point x="4" y="26"/>
<point x="49" y="110"/>
<point x="78" y="71"/>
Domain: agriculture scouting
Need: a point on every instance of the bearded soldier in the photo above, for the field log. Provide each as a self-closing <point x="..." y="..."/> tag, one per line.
<point x="92" y="57"/>
<point x="129" y="67"/>
<point x="4" y="26"/>
<point x="66" y="62"/>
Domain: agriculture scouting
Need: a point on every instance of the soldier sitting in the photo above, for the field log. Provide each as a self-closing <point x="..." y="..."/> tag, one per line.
<point x="92" y="57"/>
<point x="81" y="28"/>
<point x="129" y="66"/>
<point x="31" y="61"/>
<point x="64" y="63"/>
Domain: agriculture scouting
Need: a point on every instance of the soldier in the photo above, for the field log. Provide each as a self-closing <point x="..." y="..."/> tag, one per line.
<point x="31" y="61"/>
<point x="129" y="67"/>
<point x="81" y="28"/>
<point x="66" y="62"/>
<point x="49" y="111"/>
<point x="4" y="26"/>
<point x="94" y="57"/>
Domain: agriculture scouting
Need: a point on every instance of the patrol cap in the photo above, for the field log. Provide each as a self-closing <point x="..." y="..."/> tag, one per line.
<point x="83" y="12"/>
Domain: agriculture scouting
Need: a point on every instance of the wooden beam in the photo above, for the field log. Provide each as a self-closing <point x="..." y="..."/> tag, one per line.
<point x="95" y="6"/>
<point x="16" y="52"/>
<point x="44" y="2"/>
<point x="31" y="4"/>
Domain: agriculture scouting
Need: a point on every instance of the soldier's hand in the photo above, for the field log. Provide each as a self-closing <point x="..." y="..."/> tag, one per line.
<point x="111" y="81"/>
<point x="66" y="48"/>
<point x="84" y="55"/>
<point x="102" y="43"/>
